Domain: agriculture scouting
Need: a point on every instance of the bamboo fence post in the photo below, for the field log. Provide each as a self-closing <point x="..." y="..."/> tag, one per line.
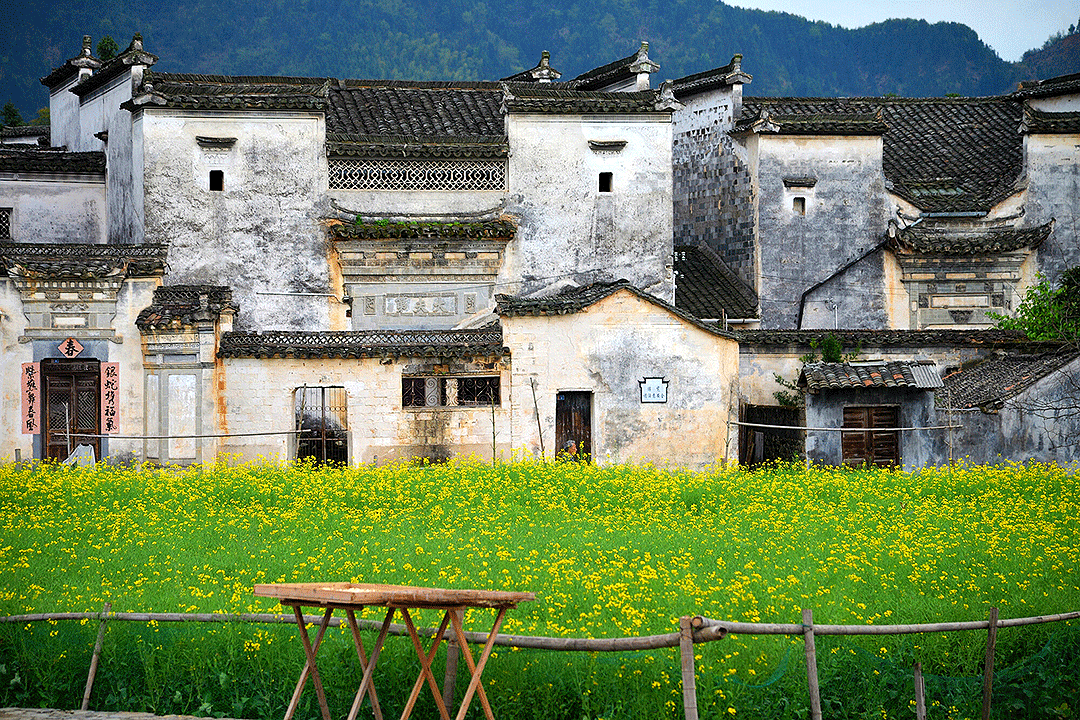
<point x="94" y="658"/>
<point x="811" y="664"/>
<point x="536" y="410"/>
<point x="450" y="678"/>
<point x="920" y="693"/>
<point x="686" y="656"/>
<point x="988" y="667"/>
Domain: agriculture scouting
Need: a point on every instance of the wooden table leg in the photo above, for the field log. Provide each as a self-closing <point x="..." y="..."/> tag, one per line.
<point x="475" y="684"/>
<point x="368" y="672"/>
<point x="425" y="665"/>
<point x="351" y="617"/>
<point x="310" y="668"/>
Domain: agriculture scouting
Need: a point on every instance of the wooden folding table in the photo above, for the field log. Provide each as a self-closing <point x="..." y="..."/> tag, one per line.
<point x="351" y="597"/>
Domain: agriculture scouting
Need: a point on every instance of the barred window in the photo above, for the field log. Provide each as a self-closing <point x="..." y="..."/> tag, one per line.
<point x="5" y="223"/>
<point x="474" y="391"/>
<point x="322" y="421"/>
<point x="417" y="174"/>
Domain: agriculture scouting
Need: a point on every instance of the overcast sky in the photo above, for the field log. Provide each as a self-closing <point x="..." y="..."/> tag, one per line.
<point x="1008" y="26"/>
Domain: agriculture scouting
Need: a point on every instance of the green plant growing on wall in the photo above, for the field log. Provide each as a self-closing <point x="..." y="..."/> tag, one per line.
<point x="1047" y="312"/>
<point x="832" y="351"/>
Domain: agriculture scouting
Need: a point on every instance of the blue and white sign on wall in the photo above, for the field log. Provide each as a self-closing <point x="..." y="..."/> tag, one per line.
<point x="653" y="390"/>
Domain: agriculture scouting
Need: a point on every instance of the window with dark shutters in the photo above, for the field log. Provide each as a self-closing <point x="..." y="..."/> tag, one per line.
<point x="867" y="445"/>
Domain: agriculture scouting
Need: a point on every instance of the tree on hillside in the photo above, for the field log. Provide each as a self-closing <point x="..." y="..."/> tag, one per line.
<point x="107" y="49"/>
<point x="11" y="115"/>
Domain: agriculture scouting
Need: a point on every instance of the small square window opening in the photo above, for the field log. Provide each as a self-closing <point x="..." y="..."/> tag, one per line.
<point x="217" y="180"/>
<point x="798" y="206"/>
<point x="605" y="182"/>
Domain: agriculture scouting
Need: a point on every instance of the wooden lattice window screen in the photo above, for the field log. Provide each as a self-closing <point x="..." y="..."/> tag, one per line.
<point x="5" y="223"/>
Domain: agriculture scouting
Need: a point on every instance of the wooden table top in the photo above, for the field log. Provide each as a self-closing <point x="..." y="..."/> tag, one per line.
<point x="365" y="594"/>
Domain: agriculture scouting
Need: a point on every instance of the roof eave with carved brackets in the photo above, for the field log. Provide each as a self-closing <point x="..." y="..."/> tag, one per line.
<point x="186" y="307"/>
<point x="79" y="261"/>
<point x="992" y="241"/>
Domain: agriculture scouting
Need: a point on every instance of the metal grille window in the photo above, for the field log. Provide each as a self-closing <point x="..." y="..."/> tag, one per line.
<point x="5" y="223"/>
<point x="475" y="391"/>
<point x="347" y="174"/>
<point x="322" y="421"/>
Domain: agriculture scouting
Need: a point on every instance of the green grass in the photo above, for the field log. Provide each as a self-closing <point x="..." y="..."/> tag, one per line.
<point x="609" y="552"/>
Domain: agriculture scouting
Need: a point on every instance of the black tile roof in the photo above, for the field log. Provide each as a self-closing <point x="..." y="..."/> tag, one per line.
<point x="1061" y="85"/>
<point x="65" y="72"/>
<point x="16" y="159"/>
<point x="184" y="305"/>
<point x="226" y="92"/>
<point x="819" y="376"/>
<point x="573" y="300"/>
<point x="482" y="342"/>
<point x="946" y="241"/>
<point x="813" y="117"/>
<point x="729" y="74"/>
<point x="707" y="288"/>
<point x="990" y="383"/>
<point x="12" y="131"/>
<point x="940" y="154"/>
<point x="801" y="339"/>
<point x="502" y="229"/>
<point x="78" y="260"/>
<point x="552" y="98"/>
<point x="613" y="72"/>
<point x="465" y="111"/>
<point x="1050" y="123"/>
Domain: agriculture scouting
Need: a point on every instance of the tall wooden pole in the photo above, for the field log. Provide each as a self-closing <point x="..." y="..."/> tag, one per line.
<point x="686" y="656"/>
<point x="811" y="664"/>
<point x="988" y="667"/>
<point x="96" y="656"/>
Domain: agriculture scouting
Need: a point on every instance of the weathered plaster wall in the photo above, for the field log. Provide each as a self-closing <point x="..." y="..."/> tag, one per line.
<point x="258" y="396"/>
<point x="133" y="297"/>
<point x="261" y="234"/>
<point x="713" y="200"/>
<point x="567" y="228"/>
<point x="1053" y="167"/>
<point x="55" y="209"/>
<point x="1041" y="424"/>
<point x="857" y="295"/>
<point x="826" y="410"/>
<point x="606" y="350"/>
<point x="64" y="116"/>
<point x="845" y="215"/>
<point x="12" y="326"/>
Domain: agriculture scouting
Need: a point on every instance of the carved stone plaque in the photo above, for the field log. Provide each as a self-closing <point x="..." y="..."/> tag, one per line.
<point x="421" y="305"/>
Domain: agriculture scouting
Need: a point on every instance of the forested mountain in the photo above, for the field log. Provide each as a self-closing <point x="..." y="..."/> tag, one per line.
<point x="471" y="39"/>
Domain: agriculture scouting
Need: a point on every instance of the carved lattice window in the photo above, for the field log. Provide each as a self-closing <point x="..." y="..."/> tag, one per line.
<point x="5" y="223"/>
<point x="472" y="391"/>
<point x="419" y="174"/>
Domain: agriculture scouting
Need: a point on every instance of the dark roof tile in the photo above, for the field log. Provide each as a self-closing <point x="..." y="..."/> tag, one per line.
<point x="14" y="159"/>
<point x="707" y="288"/>
<point x="802" y="339"/>
<point x="184" y="305"/>
<point x="991" y="382"/>
<point x="1051" y="87"/>
<point x="78" y="260"/>
<point x="384" y="230"/>
<point x="945" y="241"/>
<point x="819" y="376"/>
<point x="462" y="111"/>
<point x="1050" y="123"/>
<point x="482" y="342"/>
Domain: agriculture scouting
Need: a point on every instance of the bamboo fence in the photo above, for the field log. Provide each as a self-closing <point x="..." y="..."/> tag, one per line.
<point x="692" y="630"/>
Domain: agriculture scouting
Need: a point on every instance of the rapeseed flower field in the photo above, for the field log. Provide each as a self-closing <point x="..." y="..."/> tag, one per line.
<point x="610" y="552"/>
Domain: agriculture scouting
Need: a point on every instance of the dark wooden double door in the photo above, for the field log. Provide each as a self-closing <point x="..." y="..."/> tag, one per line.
<point x="72" y="398"/>
<point x="872" y="443"/>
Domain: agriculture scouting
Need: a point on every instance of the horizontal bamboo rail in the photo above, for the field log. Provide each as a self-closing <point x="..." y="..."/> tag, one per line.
<point x="736" y="628"/>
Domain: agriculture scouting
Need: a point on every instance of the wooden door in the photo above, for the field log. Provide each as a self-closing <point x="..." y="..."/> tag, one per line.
<point x="870" y="446"/>
<point x="72" y="406"/>
<point x="573" y="421"/>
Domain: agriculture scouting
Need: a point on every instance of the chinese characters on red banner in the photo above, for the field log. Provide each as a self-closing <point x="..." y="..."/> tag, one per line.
<point x="31" y="398"/>
<point x="110" y="398"/>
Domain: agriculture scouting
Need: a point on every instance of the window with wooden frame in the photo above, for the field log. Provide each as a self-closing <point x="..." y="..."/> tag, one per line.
<point x="869" y="436"/>
<point x="5" y="223"/>
<point x="322" y="422"/>
<point x="467" y="391"/>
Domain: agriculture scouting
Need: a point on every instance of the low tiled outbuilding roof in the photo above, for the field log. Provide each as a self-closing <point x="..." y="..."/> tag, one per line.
<point x="27" y="131"/>
<point x="1050" y="123"/>
<point x="185" y="304"/>
<point x="14" y="159"/>
<point x="946" y="241"/>
<point x="502" y="229"/>
<point x="800" y="339"/>
<point x="482" y="342"/>
<point x="79" y="260"/>
<point x="990" y="383"/>
<point x="819" y="376"/>
<point x="939" y="154"/>
<point x="576" y="299"/>
<point x="707" y="288"/>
